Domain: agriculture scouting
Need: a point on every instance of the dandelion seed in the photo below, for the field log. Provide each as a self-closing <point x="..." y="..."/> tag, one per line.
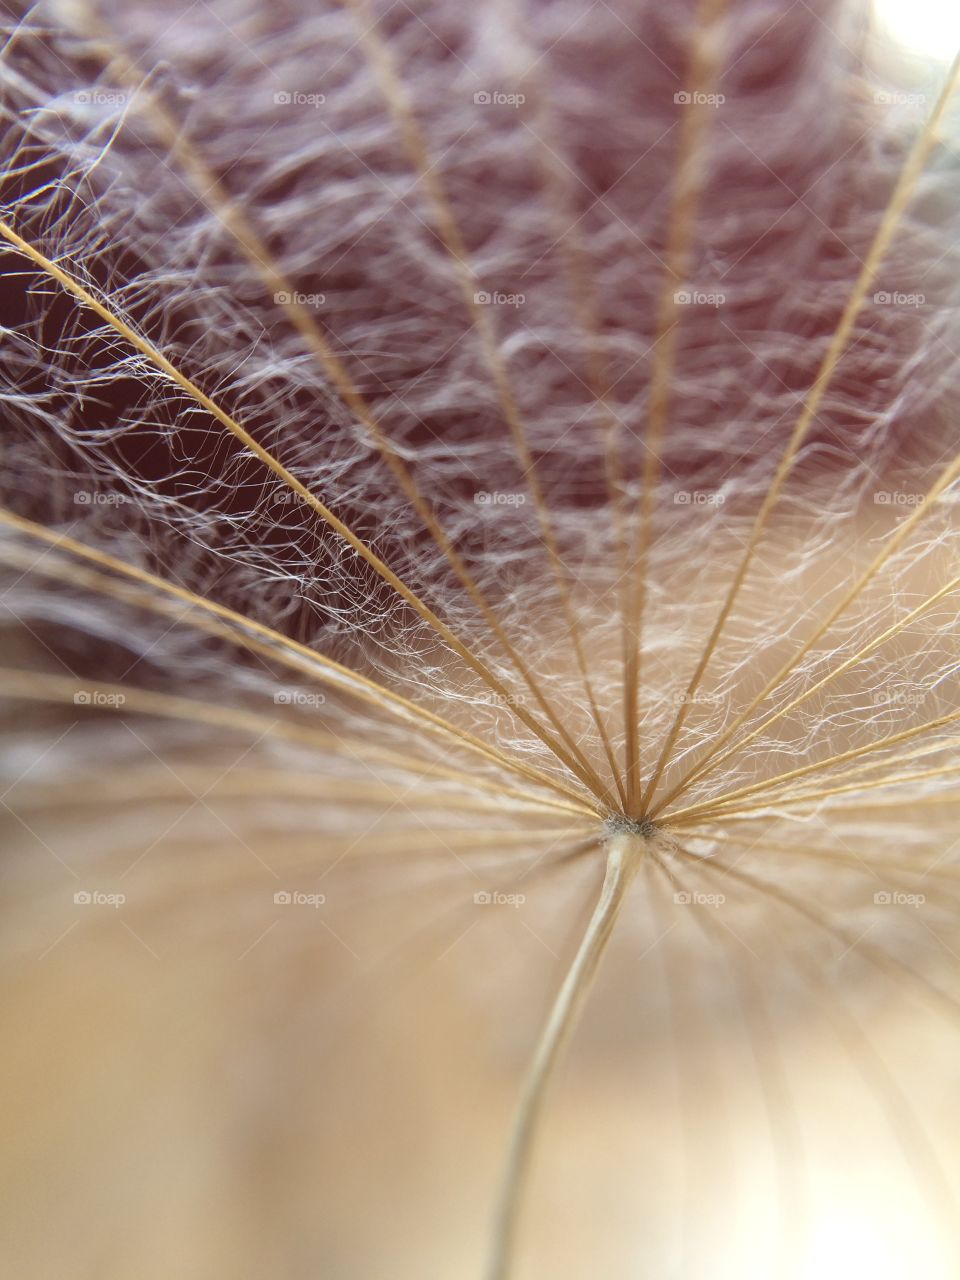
<point x="479" y="553"/>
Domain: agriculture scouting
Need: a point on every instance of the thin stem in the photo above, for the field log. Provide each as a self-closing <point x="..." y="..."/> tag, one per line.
<point x="624" y="853"/>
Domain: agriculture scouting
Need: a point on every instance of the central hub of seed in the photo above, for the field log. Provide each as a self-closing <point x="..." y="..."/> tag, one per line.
<point x="646" y="835"/>
<point x="620" y="825"/>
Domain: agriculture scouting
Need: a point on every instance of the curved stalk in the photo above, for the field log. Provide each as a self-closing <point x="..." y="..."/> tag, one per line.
<point x="624" y="853"/>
